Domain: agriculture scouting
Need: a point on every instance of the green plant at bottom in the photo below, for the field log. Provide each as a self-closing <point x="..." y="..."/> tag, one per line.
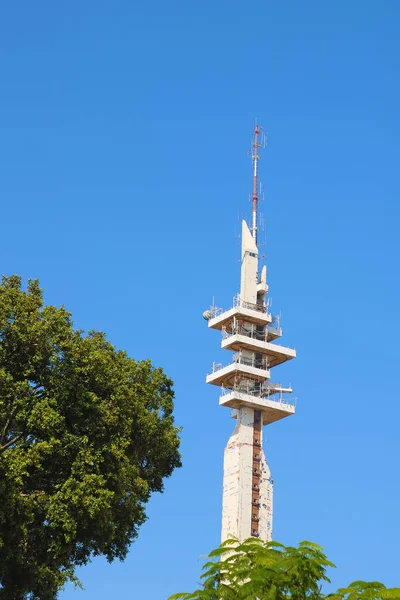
<point x="257" y="570"/>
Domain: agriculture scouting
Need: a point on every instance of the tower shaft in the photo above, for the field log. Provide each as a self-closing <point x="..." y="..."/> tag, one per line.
<point x="247" y="485"/>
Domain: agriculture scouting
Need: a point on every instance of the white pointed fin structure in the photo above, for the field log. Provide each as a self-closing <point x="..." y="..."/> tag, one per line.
<point x="249" y="269"/>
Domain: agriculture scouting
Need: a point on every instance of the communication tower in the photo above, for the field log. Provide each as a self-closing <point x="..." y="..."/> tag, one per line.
<point x="250" y="332"/>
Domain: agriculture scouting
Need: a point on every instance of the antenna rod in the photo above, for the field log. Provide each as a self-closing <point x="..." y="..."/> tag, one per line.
<point x="256" y="158"/>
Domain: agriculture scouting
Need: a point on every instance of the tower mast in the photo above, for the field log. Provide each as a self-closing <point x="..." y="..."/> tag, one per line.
<point x="255" y="157"/>
<point x="249" y="331"/>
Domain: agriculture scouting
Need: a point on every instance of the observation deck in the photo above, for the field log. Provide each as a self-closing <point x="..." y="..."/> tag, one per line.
<point x="267" y="398"/>
<point x="226" y="375"/>
<point x="272" y="410"/>
<point x="252" y="340"/>
<point x="249" y="330"/>
<point x="241" y="310"/>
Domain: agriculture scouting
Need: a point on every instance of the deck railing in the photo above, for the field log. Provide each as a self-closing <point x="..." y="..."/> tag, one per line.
<point x="262" y="391"/>
<point x="258" y="363"/>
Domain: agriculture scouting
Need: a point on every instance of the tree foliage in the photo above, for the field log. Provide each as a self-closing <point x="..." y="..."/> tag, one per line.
<point x="257" y="570"/>
<point x="86" y="435"/>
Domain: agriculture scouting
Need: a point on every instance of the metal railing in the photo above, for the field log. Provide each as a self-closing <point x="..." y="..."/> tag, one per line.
<point x="237" y="301"/>
<point x="261" y="336"/>
<point x="274" y="328"/>
<point x="259" y="390"/>
<point x="250" y="361"/>
<point x="251" y="333"/>
<point x="259" y="363"/>
<point x="216" y="311"/>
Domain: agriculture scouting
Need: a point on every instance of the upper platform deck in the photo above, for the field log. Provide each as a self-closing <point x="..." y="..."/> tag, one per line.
<point x="244" y="311"/>
<point x="272" y="410"/>
<point x="276" y="354"/>
<point x="226" y="375"/>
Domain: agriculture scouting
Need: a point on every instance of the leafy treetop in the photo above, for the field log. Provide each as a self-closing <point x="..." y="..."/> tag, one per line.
<point x="257" y="570"/>
<point x="86" y="435"/>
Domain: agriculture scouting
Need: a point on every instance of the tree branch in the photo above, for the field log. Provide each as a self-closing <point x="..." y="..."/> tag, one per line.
<point x="11" y="442"/>
<point x="6" y="426"/>
<point x="37" y="386"/>
<point x="33" y="493"/>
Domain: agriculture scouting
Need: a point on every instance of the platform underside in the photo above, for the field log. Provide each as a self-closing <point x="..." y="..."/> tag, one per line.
<point x="272" y="410"/>
<point x="226" y="376"/>
<point x="276" y="354"/>
<point x="254" y="316"/>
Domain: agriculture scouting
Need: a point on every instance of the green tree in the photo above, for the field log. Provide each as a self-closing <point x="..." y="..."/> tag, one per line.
<point x="86" y="435"/>
<point x="256" y="570"/>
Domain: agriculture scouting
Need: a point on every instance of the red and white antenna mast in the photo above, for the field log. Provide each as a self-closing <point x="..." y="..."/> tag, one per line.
<point x="256" y="158"/>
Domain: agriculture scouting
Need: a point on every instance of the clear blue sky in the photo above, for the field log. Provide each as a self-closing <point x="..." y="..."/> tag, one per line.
<point x="124" y="132"/>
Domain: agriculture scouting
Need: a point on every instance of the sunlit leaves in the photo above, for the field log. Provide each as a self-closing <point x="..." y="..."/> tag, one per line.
<point x="86" y="435"/>
<point x="257" y="570"/>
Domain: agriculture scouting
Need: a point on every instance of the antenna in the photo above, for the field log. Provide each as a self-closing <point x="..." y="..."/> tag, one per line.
<point x="255" y="157"/>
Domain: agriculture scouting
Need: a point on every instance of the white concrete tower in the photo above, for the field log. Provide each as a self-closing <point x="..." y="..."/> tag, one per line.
<point x="249" y="331"/>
